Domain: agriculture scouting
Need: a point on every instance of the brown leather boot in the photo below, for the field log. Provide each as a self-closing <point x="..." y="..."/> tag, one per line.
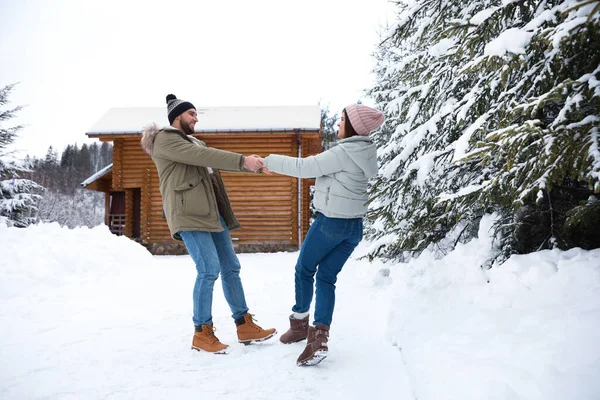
<point x="205" y="340"/>
<point x="248" y="332"/>
<point x="298" y="330"/>
<point x="316" y="348"/>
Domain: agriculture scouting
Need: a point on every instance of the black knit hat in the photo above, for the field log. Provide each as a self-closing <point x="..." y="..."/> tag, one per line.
<point x="176" y="107"/>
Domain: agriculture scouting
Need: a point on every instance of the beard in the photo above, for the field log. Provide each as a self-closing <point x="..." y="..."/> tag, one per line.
<point x="187" y="129"/>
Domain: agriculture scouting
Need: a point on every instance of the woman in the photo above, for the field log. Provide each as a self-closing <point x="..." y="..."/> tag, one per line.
<point x="340" y="195"/>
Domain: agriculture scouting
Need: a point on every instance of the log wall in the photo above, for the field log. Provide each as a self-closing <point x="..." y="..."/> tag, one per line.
<point x="266" y="205"/>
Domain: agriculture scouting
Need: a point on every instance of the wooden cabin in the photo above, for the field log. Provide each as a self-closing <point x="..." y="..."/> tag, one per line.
<point x="274" y="210"/>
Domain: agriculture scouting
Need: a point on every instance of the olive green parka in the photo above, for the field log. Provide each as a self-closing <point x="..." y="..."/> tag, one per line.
<point x="193" y="198"/>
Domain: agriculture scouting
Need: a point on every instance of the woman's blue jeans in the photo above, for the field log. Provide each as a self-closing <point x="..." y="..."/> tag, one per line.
<point x="213" y="253"/>
<point x="326" y="248"/>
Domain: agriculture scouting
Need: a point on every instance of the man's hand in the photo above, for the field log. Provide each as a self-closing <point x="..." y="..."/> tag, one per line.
<point x="253" y="163"/>
<point x="264" y="169"/>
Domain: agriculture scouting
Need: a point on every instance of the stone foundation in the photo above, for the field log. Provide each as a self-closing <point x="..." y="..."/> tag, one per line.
<point x="167" y="248"/>
<point x="178" y="248"/>
<point x="264" y="248"/>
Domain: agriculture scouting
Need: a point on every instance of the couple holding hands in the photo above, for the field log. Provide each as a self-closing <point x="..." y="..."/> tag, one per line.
<point x="200" y="215"/>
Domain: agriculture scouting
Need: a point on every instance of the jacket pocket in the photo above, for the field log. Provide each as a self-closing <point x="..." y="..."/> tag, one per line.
<point x="192" y="197"/>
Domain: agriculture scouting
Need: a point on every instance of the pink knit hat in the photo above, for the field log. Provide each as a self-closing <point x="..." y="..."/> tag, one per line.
<point x="364" y="119"/>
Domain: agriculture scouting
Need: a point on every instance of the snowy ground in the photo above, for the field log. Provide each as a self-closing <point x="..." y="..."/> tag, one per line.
<point x="88" y="315"/>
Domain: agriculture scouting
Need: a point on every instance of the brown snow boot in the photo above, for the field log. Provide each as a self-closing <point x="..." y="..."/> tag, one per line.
<point x="316" y="348"/>
<point x="248" y="332"/>
<point x="205" y="340"/>
<point x="298" y="330"/>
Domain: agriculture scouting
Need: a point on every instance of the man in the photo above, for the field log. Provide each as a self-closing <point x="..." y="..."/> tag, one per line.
<point x="198" y="212"/>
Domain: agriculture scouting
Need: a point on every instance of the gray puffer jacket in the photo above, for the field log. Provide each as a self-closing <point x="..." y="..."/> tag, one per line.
<point x="342" y="174"/>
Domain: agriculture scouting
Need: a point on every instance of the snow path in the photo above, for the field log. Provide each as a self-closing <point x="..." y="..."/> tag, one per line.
<point x="126" y="334"/>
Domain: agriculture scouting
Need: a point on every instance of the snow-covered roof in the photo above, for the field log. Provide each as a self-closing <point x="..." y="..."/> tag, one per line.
<point x="97" y="175"/>
<point x="214" y="119"/>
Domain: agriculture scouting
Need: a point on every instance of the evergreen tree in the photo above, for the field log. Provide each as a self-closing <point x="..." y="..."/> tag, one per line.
<point x="18" y="196"/>
<point x="68" y="166"/>
<point x="105" y="155"/>
<point x="94" y="157"/>
<point x="46" y="170"/>
<point x="84" y="163"/>
<point x="328" y="128"/>
<point x="51" y="158"/>
<point x="67" y="158"/>
<point x="491" y="106"/>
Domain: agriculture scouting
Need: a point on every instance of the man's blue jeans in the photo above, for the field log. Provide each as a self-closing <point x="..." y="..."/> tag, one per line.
<point x="328" y="245"/>
<point x="213" y="253"/>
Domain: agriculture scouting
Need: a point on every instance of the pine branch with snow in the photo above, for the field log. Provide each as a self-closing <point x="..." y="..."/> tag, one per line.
<point x="18" y="198"/>
<point x="487" y="104"/>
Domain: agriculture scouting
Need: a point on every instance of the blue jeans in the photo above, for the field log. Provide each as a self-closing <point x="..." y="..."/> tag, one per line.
<point x="328" y="245"/>
<point x="213" y="253"/>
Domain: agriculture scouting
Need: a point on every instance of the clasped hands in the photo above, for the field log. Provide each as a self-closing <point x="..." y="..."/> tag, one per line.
<point x="256" y="163"/>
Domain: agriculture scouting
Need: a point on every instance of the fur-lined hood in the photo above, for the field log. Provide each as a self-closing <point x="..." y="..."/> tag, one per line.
<point x="148" y="136"/>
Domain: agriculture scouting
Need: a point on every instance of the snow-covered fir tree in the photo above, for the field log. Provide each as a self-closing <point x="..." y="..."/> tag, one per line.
<point x="328" y="127"/>
<point x="491" y="106"/>
<point x="18" y="196"/>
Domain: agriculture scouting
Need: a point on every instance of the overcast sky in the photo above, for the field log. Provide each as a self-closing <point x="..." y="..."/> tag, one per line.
<point x="75" y="59"/>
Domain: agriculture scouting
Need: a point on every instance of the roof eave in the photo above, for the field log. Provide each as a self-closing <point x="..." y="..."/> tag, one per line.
<point x="97" y="134"/>
<point x="98" y="175"/>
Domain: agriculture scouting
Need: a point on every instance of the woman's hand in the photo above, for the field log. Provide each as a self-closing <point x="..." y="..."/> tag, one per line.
<point x="264" y="169"/>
